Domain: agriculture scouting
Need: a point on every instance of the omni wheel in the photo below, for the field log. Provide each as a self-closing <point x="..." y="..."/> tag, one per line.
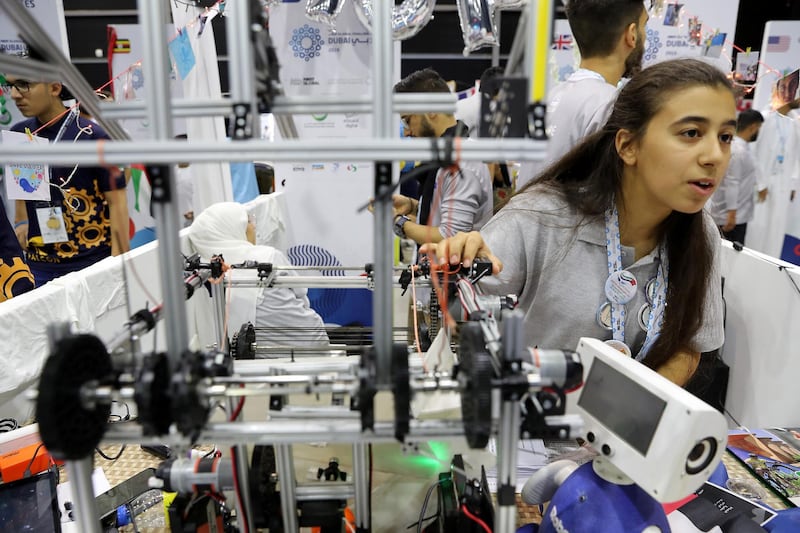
<point x="402" y="391"/>
<point x="152" y="396"/>
<point x="70" y="427"/>
<point x="242" y="342"/>
<point x="475" y="375"/>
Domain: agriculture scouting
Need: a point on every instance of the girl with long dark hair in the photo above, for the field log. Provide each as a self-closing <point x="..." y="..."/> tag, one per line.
<point x="612" y="241"/>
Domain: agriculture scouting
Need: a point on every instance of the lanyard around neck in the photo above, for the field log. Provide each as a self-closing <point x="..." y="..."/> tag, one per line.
<point x="615" y="269"/>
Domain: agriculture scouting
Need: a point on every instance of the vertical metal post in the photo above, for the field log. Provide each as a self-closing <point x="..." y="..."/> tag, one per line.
<point x="539" y="31"/>
<point x="361" y="485"/>
<point x="284" y="464"/>
<point x="156" y="66"/>
<point x="496" y="49"/>
<point x="507" y="442"/>
<point x="80" y="476"/>
<point x="244" y="506"/>
<point x="218" y="301"/>
<point x="240" y="69"/>
<point x="382" y="129"/>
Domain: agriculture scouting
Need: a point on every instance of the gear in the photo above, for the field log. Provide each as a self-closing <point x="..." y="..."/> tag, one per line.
<point x="475" y="376"/>
<point x="242" y="342"/>
<point x="91" y="235"/>
<point x="66" y="249"/>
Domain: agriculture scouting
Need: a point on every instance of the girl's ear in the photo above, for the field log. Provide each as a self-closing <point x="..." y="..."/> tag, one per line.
<point x="627" y="147"/>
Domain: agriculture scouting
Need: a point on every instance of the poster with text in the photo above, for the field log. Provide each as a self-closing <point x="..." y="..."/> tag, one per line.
<point x="692" y="28"/>
<point x="780" y="55"/>
<point x="318" y="60"/>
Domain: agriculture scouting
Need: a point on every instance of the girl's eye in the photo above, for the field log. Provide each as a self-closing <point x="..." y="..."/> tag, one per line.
<point x="726" y="138"/>
<point x="692" y="134"/>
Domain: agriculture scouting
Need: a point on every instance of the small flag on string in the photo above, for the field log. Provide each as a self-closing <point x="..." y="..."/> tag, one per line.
<point x="562" y="42"/>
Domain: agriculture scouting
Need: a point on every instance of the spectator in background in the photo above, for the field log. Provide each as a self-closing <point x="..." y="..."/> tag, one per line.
<point x="451" y="200"/>
<point x="610" y="35"/>
<point x="282" y="314"/>
<point x="468" y="110"/>
<point x="86" y="219"/>
<point x="733" y="203"/>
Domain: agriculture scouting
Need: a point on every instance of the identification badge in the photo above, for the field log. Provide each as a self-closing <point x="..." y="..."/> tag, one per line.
<point x="779" y="158"/>
<point x="621" y="287"/>
<point x="51" y="224"/>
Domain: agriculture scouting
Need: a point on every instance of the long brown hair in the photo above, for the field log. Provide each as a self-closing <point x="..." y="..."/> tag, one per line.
<point x="590" y="177"/>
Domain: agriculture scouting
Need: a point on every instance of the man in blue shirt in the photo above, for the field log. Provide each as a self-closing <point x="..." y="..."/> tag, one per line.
<point x="86" y="218"/>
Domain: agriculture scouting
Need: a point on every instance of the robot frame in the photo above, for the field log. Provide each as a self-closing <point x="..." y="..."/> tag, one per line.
<point x="174" y="405"/>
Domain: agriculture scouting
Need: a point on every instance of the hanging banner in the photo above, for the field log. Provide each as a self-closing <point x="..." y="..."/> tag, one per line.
<point x="780" y="55"/>
<point x="318" y="60"/>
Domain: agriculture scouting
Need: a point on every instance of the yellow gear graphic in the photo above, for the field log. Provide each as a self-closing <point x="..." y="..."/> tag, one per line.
<point x="10" y="275"/>
<point x="91" y="235"/>
<point x="65" y="250"/>
<point x="78" y="206"/>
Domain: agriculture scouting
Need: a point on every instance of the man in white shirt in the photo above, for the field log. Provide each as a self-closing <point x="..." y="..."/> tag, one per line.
<point x="610" y="35"/>
<point x="733" y="202"/>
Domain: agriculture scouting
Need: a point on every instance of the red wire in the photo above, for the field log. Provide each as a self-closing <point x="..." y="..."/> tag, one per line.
<point x="476" y="519"/>
<point x="238" y="409"/>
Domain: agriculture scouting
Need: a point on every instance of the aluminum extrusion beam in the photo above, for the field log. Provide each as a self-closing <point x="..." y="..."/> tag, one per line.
<point x="292" y="432"/>
<point x="341" y="150"/>
<point x="152" y="17"/>
<point x="30" y="69"/>
<point x="382" y="128"/>
<point x="181" y="107"/>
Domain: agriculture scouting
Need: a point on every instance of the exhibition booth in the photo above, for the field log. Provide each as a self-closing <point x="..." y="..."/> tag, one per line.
<point x="425" y="392"/>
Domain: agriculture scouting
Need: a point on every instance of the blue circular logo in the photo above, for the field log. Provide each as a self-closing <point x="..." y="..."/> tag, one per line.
<point x="306" y="42"/>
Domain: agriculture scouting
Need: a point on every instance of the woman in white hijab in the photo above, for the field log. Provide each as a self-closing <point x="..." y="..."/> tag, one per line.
<point x="282" y="313"/>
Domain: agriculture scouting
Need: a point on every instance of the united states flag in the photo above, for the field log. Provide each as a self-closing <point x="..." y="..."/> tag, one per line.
<point x="778" y="43"/>
<point x="562" y="42"/>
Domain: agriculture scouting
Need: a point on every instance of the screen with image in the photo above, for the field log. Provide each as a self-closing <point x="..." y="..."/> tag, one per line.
<point x="30" y="504"/>
<point x="623" y="406"/>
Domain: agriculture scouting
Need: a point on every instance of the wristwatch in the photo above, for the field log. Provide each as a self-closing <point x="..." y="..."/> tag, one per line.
<point x="399" y="222"/>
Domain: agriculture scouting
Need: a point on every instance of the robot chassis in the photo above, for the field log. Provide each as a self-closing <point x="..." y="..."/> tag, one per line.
<point x="505" y="389"/>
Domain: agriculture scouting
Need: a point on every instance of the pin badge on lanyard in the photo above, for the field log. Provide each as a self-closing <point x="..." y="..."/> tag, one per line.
<point x="621" y="287"/>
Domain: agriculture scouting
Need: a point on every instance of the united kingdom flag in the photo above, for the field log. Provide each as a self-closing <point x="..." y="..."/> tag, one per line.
<point x="562" y="42"/>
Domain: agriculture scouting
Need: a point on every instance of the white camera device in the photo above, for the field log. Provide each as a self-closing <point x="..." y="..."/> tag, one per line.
<point x="662" y="437"/>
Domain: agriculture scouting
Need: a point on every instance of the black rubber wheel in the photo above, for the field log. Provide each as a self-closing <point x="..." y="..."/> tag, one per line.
<point x="69" y="429"/>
